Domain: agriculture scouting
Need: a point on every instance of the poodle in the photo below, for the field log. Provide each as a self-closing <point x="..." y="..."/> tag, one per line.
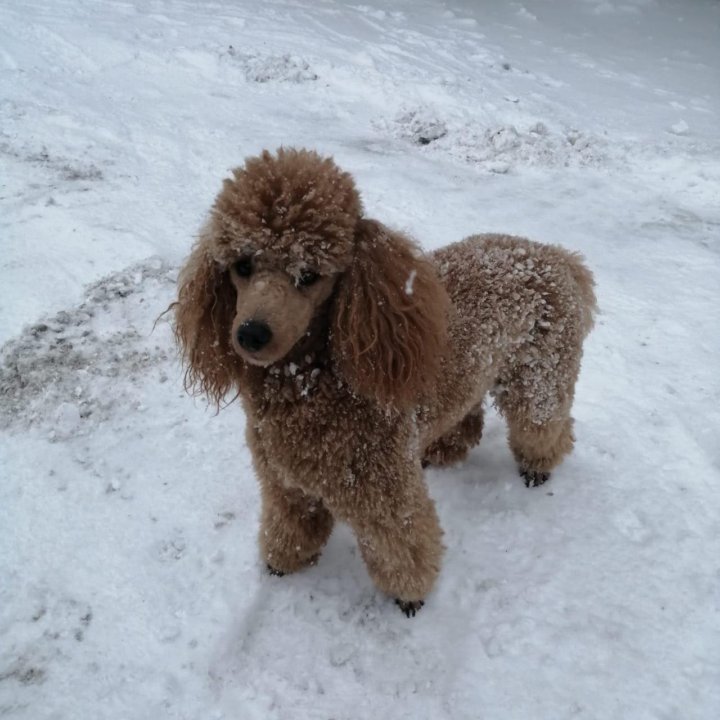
<point x="360" y="360"/>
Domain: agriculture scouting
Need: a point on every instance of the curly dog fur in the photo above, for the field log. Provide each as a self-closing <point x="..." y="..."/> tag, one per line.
<point x="359" y="359"/>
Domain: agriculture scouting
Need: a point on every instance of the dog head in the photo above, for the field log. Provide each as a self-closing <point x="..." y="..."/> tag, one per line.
<point x="286" y="244"/>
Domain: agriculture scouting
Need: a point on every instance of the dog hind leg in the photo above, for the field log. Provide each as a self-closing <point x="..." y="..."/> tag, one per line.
<point x="540" y="448"/>
<point x="536" y="402"/>
<point x="454" y="445"/>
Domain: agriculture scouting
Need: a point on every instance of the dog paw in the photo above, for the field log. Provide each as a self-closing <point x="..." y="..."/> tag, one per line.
<point x="409" y="607"/>
<point x="309" y="562"/>
<point x="534" y="478"/>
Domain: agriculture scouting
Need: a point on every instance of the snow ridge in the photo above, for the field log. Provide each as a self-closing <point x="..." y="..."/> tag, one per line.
<point x="61" y="370"/>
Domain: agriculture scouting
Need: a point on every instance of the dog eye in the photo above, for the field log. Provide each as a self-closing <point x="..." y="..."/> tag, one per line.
<point x="307" y="278"/>
<point x="243" y="267"/>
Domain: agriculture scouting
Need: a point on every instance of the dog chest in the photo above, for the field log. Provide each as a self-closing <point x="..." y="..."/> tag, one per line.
<point x="333" y="450"/>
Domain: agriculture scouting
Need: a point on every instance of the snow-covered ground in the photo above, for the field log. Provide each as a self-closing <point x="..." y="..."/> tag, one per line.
<point x="130" y="585"/>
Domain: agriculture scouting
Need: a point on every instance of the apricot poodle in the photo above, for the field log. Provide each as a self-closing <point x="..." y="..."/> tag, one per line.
<point x="359" y="359"/>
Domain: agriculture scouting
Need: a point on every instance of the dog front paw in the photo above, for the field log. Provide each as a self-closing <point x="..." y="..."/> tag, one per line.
<point x="534" y="478"/>
<point x="409" y="607"/>
<point x="309" y="562"/>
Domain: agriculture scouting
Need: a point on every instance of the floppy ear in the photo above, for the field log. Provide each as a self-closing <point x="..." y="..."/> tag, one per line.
<point x="203" y="321"/>
<point x="390" y="319"/>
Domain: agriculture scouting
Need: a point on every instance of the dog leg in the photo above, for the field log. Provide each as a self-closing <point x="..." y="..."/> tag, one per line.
<point x="402" y="549"/>
<point x="540" y="448"/>
<point x="293" y="529"/>
<point x="454" y="445"/>
<point x="536" y="401"/>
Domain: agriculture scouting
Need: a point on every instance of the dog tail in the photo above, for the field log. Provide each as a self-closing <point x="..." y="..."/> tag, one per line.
<point x="586" y="290"/>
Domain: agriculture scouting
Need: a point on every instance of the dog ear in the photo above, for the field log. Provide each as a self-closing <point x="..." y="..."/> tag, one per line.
<point x="203" y="322"/>
<point x="390" y="319"/>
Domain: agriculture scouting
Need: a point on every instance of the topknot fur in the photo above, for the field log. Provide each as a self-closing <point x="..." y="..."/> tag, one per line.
<point x="294" y="204"/>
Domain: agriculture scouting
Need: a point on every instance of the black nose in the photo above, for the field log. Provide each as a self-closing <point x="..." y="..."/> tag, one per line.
<point x="253" y="335"/>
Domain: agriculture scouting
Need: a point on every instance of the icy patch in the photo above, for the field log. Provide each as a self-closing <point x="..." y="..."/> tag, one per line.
<point x="272" y="68"/>
<point x="66" y="369"/>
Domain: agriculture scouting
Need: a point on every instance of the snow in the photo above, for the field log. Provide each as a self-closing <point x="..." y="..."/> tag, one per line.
<point x="130" y="585"/>
<point x="410" y="283"/>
